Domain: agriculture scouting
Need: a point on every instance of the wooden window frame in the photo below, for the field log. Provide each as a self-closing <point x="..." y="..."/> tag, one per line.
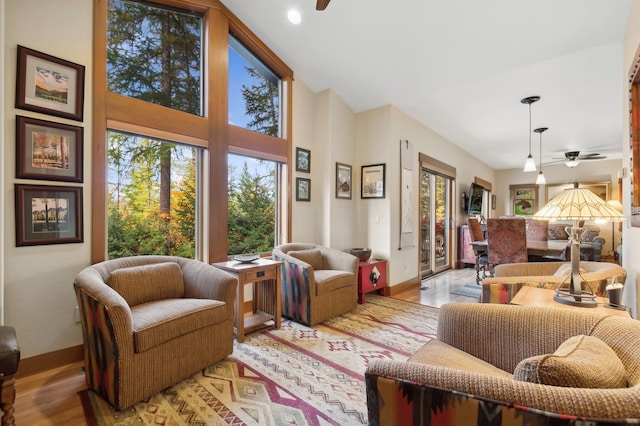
<point x="211" y="131"/>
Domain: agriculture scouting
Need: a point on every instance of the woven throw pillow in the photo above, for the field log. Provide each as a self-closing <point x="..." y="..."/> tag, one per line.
<point x="146" y="283"/>
<point x="580" y="361"/>
<point x="312" y="256"/>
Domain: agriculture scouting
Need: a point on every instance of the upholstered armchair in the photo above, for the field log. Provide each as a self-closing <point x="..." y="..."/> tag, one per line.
<point x="150" y="321"/>
<point x="513" y="365"/>
<point x="318" y="283"/>
<point x="510" y="278"/>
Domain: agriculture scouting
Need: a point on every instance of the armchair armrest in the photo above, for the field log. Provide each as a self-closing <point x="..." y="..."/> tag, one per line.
<point x="203" y="281"/>
<point x="340" y="261"/>
<point x="457" y="391"/>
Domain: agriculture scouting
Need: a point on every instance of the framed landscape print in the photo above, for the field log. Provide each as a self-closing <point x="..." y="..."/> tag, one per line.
<point x="303" y="160"/>
<point x="48" y="215"/>
<point x="303" y="189"/>
<point x="343" y="181"/>
<point x="49" y="85"/>
<point x="601" y="189"/>
<point x="372" y="181"/>
<point x="48" y="150"/>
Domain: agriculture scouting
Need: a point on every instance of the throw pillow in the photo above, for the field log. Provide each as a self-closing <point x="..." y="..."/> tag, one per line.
<point x="312" y="256"/>
<point x="146" y="283"/>
<point x="580" y="362"/>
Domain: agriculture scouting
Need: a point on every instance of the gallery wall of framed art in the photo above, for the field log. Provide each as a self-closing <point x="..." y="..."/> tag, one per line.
<point x="49" y="151"/>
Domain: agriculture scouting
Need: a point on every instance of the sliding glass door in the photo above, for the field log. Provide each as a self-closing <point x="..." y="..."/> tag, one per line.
<point x="436" y="217"/>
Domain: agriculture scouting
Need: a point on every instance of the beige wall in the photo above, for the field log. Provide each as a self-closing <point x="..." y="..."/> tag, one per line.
<point x="630" y="235"/>
<point x="38" y="281"/>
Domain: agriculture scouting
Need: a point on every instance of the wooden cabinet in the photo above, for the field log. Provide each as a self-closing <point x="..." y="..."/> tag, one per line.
<point x="466" y="257"/>
<point x="372" y="276"/>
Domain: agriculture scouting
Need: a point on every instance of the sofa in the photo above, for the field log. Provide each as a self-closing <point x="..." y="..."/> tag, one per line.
<point x="317" y="282"/>
<point x="513" y="365"/>
<point x="509" y="278"/>
<point x="148" y="322"/>
<point x="591" y="242"/>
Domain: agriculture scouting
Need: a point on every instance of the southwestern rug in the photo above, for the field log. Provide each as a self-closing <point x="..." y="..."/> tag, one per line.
<point x="295" y="375"/>
<point x="469" y="290"/>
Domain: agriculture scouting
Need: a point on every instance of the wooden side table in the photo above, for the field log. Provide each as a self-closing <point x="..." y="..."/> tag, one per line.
<point x="372" y="276"/>
<point x="267" y="304"/>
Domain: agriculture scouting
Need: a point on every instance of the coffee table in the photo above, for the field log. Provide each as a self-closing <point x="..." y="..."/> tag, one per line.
<point x="536" y="296"/>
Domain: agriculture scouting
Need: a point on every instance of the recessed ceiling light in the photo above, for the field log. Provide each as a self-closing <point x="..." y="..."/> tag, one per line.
<point x="294" y="17"/>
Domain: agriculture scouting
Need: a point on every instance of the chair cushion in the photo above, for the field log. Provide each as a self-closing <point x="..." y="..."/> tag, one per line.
<point x="159" y="321"/>
<point x="145" y="283"/>
<point x="330" y="280"/>
<point x="580" y="361"/>
<point x="312" y="256"/>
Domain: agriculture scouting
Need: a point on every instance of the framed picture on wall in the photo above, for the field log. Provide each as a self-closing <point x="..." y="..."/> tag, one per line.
<point x="372" y="181"/>
<point x="601" y="189"/>
<point x="49" y="85"/>
<point x="343" y="181"/>
<point x="48" y="150"/>
<point x="303" y="160"/>
<point x="303" y="189"/>
<point x="48" y="215"/>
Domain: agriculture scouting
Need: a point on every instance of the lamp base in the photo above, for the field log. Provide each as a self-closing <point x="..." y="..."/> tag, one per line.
<point x="584" y="299"/>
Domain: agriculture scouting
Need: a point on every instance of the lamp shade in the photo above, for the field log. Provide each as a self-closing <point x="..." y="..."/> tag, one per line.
<point x="578" y="204"/>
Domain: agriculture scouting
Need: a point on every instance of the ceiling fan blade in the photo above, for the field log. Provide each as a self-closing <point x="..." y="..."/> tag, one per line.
<point x="595" y="155"/>
<point x="322" y="4"/>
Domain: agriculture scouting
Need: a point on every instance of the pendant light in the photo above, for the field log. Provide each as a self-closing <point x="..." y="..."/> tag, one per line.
<point x="530" y="164"/>
<point x="540" y="180"/>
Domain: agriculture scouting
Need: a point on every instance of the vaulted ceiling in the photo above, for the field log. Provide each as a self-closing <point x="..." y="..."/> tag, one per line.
<point x="461" y="67"/>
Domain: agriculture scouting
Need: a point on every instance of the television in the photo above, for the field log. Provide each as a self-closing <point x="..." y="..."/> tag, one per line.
<point x="476" y="199"/>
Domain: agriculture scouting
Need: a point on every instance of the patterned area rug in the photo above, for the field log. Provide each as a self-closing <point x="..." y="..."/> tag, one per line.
<point x="296" y="375"/>
<point x="470" y="290"/>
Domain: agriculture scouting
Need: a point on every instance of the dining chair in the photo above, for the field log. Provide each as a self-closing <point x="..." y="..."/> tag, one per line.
<point x="482" y="259"/>
<point x="537" y="230"/>
<point x="507" y="241"/>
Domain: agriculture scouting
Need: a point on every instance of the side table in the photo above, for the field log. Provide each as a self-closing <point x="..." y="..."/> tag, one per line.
<point x="536" y="296"/>
<point x="267" y="304"/>
<point x="372" y="276"/>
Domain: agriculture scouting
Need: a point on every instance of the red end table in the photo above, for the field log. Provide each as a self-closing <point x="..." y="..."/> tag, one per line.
<point x="372" y="276"/>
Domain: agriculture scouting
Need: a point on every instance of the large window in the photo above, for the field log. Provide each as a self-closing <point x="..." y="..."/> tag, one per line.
<point x="191" y="133"/>
<point x="152" y="197"/>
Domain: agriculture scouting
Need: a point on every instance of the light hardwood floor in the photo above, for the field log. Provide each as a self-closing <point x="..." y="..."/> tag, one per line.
<point x="51" y="397"/>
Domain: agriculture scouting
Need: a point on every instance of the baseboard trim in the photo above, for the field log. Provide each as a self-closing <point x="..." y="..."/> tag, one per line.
<point x="411" y="284"/>
<point x="39" y="363"/>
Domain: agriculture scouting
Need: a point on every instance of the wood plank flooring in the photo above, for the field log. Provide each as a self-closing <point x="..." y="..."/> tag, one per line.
<point x="51" y="397"/>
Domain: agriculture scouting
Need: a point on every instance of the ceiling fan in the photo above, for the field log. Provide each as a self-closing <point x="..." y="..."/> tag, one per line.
<point x="322" y="4"/>
<point x="573" y="158"/>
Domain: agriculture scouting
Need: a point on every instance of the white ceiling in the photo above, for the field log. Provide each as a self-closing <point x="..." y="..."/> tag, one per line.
<point x="461" y="67"/>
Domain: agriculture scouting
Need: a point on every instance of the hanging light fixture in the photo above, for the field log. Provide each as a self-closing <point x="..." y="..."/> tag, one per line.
<point x="530" y="164"/>
<point x="540" y="180"/>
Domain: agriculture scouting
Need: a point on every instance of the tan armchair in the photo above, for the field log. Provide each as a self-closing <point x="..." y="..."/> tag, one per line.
<point x="150" y="321"/>
<point x="481" y="369"/>
<point x="318" y="283"/>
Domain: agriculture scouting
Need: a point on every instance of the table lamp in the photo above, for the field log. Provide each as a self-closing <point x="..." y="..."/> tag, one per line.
<point x="577" y="204"/>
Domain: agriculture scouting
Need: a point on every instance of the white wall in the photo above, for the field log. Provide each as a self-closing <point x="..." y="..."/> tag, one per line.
<point x="630" y="235"/>
<point x="38" y="281"/>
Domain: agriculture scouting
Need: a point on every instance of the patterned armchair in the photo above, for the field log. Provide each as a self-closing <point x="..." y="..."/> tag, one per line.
<point x="150" y="321"/>
<point x="481" y="370"/>
<point x="507" y="241"/>
<point x="318" y="283"/>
